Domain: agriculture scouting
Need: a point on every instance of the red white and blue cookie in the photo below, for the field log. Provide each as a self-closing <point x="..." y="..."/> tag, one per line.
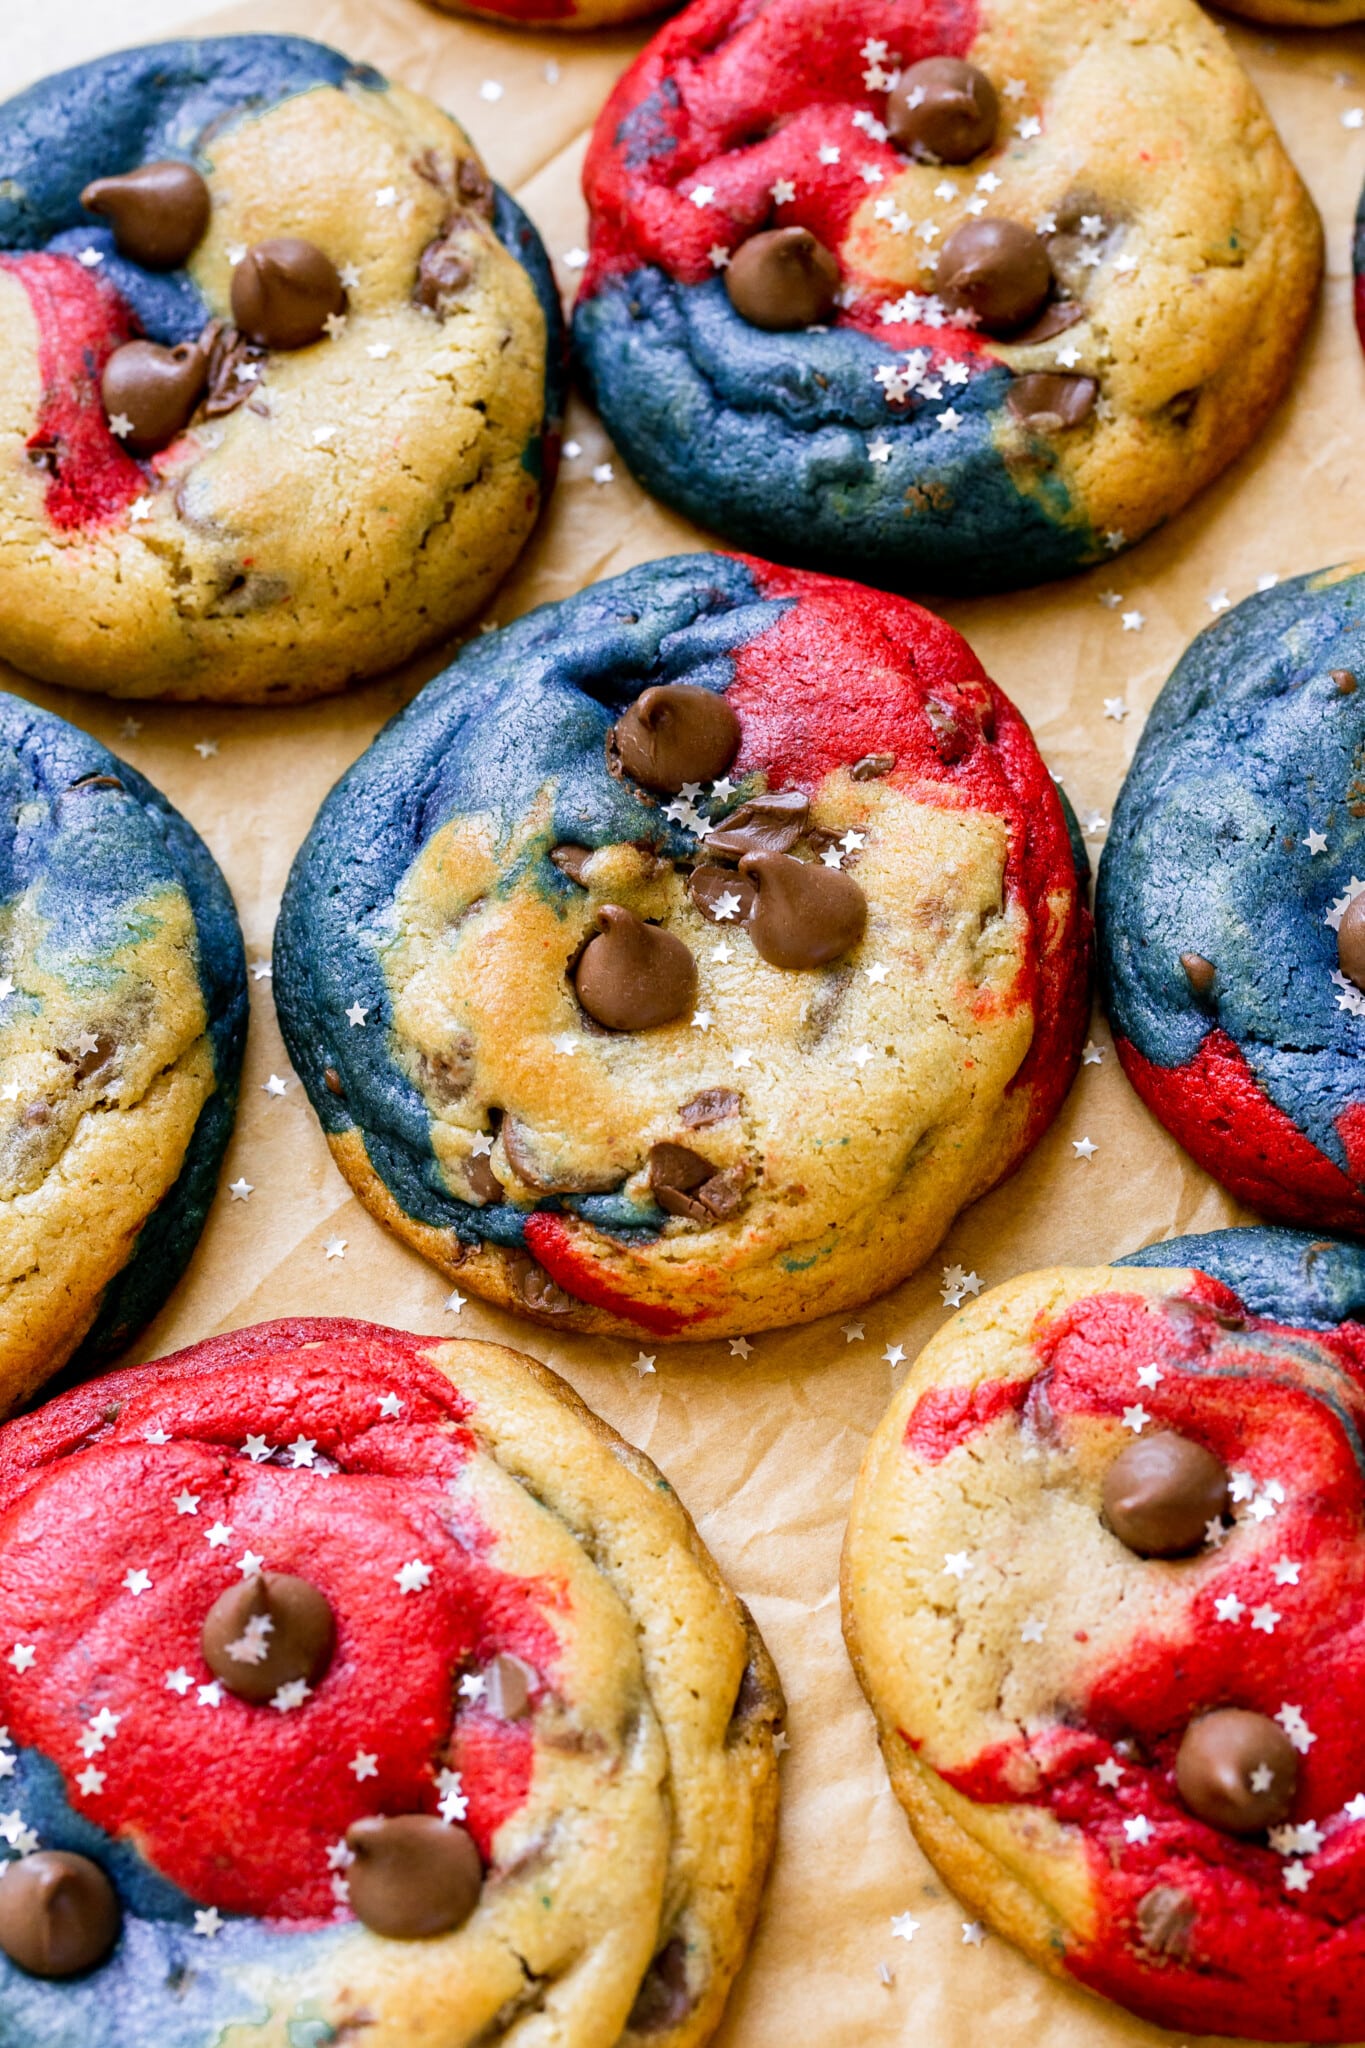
<point x="1104" y="1589"/>
<point x="360" y="1684"/>
<point x="951" y="295"/>
<point x="685" y="957"/>
<point x="279" y="373"/>
<point x="1231" y="912"/>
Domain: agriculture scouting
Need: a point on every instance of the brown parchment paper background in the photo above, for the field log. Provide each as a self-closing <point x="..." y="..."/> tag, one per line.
<point x="764" y="1451"/>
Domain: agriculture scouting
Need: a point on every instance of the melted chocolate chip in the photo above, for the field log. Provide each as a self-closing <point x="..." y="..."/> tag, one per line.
<point x="507" y="1688"/>
<point x="267" y="1631"/>
<point x="685" y="1184"/>
<point x="712" y="1106"/>
<point x="443" y="271"/>
<point x="533" y="1171"/>
<point x="539" y="1292"/>
<point x="1161" y="1493"/>
<point x="633" y="976"/>
<point x="1345" y="680"/>
<point x="997" y="269"/>
<point x="413" y="1876"/>
<point x="872" y="767"/>
<point x="674" y="733"/>
<point x="158" y="212"/>
<point x="59" y="1914"/>
<point x="953" y="740"/>
<point x="1237" y="1771"/>
<point x="334" y="1083"/>
<point x="284" y="291"/>
<point x="233" y="367"/>
<point x="665" y="1998"/>
<point x="1351" y="941"/>
<point x="1049" y="400"/>
<point x="474" y="186"/>
<point x="721" y="895"/>
<point x="783" y="279"/>
<point x="572" y="861"/>
<point x="1052" y="321"/>
<point x="154" y="389"/>
<point x="1199" y="973"/>
<point x="1165" y="1918"/>
<point x="766" y="824"/>
<point x="806" y="914"/>
<point x="483" y="1183"/>
<point x="943" y="111"/>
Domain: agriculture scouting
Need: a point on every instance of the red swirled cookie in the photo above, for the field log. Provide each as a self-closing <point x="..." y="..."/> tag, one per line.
<point x="355" y="1682"/>
<point x="1104" y="1586"/>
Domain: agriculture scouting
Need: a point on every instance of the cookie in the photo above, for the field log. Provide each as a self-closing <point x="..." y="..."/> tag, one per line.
<point x="1232" y="973"/>
<point x="552" y="13"/>
<point x="279" y="373"/>
<point x="1297" y="13"/>
<point x="362" y="1682"/>
<point x="1102" y="1589"/>
<point x="684" y="958"/>
<point x="945" y="296"/>
<point x="122" y="1021"/>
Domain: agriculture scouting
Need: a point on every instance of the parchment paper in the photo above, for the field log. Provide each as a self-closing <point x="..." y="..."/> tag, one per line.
<point x="764" y="1450"/>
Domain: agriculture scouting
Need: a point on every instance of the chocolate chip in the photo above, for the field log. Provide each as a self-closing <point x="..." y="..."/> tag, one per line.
<point x="665" y="1997"/>
<point x="158" y="212"/>
<point x="572" y="861"/>
<point x="1237" y="1771"/>
<point x="1161" y="1493"/>
<point x="997" y="269"/>
<point x="953" y="740"/>
<point x="1199" y="972"/>
<point x="806" y="914"/>
<point x="507" y="1688"/>
<point x="633" y="976"/>
<point x="1351" y="941"/>
<point x="481" y="1180"/>
<point x="284" y="291"/>
<point x="267" y="1631"/>
<point x="783" y="279"/>
<point x="766" y="824"/>
<point x="59" y="1914"/>
<point x="534" y="1171"/>
<point x="155" y="389"/>
<point x="1049" y="400"/>
<point x="674" y="733"/>
<point x="685" y="1184"/>
<point x="1345" y="681"/>
<point x="540" y="1293"/>
<point x="1165" y="1918"/>
<point x="943" y="111"/>
<point x="231" y="357"/>
<point x="712" y="1106"/>
<point x="1052" y="321"/>
<point x="413" y="1876"/>
<point x="721" y="895"/>
<point x="474" y="185"/>
<point x="333" y="1081"/>
<point x="443" y="270"/>
<point x="872" y="767"/>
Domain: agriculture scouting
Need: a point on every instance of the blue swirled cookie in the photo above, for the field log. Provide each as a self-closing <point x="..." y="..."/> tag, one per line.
<point x="122" y="1022"/>
<point x="685" y="957"/>
<point x="1231" y="903"/>
<point x="954" y="294"/>
<point x="359" y="1686"/>
<point x="279" y="373"/>
<point x="1102" y="1586"/>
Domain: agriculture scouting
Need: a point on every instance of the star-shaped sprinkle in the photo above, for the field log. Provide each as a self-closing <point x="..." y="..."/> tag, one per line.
<point x="973" y="1934"/>
<point x="1286" y="1572"/>
<point x="1029" y="128"/>
<point x="1084" y="1148"/>
<point x="140" y="509"/>
<point x="334" y="1247"/>
<point x="136" y="1582"/>
<point x="1354" y="117"/>
<point x="603" y="473"/>
<point x="1297" y="1877"/>
<point x="1149" y="1376"/>
<point x="1264" y="1618"/>
<point x="1138" y="1829"/>
<point x="860" y="1055"/>
<point x="186" y="1503"/>
<point x="949" y="420"/>
<point x="340" y="1856"/>
<point x="957" y="1563"/>
<point x="1215" y="1533"/>
<point x="1296" y="1728"/>
<point x="206" y="749"/>
<point x="413" y="1577"/>
<point x="1093" y="1054"/>
<point x="1261" y="1780"/>
<point x="1032" y="1630"/>
<point x="364" y="1764"/>
<point x="1133" y="622"/>
<point x="1068" y="356"/>
<point x="894" y="1355"/>
<point x="853" y="1333"/>
<point x="1316" y="842"/>
<point x="1354" y="1809"/>
<point x="740" y="1347"/>
<point x="643" y="1363"/>
<point x="261" y="970"/>
<point x="257" y="1449"/>
<point x="378" y="350"/>
<point x="783" y="191"/>
<point x="179" y="1681"/>
<point x="565" y="1042"/>
<point x="219" y="1535"/>
<point x="302" y="1452"/>
<point x="90" y="1781"/>
<point x="904" y="1927"/>
<point x="249" y="1564"/>
<point x="241" y="1190"/>
<point x="719" y="256"/>
<point x="455" y="1301"/>
<point x="741" y="1058"/>
<point x="387" y="195"/>
<point x="832" y="857"/>
<point x="157" y="1436"/>
<point x="876" y="972"/>
<point x="1109" y="1773"/>
<point x="1136" y="1418"/>
<point x="1115" y="708"/>
<point x="491" y="89"/>
<point x="829" y="153"/>
<point x="703" y="195"/>
<point x="210" y="1695"/>
<point x="208" y="1921"/>
<point x="274" y="1086"/>
<point x="334" y="326"/>
<point x="120" y="425"/>
<point x="473" y="1686"/>
<point x="287" y="1697"/>
<point x="357" y="1015"/>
